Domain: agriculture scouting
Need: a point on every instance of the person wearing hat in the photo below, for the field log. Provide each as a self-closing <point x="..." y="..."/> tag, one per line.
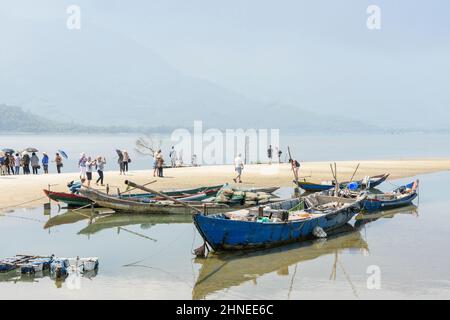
<point x="45" y="162"/>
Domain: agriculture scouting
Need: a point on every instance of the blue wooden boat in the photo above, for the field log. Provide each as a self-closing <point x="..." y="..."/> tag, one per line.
<point x="276" y="224"/>
<point x="371" y="182"/>
<point x="400" y="197"/>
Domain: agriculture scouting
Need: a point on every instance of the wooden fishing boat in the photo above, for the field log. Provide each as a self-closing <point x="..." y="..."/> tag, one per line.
<point x="400" y="197"/>
<point x="76" y="200"/>
<point x="372" y="182"/>
<point x="226" y="270"/>
<point x="147" y="206"/>
<point x="277" y="223"/>
<point x="71" y="199"/>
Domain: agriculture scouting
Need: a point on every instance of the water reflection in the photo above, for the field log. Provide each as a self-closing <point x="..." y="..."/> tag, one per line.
<point x="222" y="271"/>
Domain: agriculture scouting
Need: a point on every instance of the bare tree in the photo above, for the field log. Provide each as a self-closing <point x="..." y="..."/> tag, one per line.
<point x="146" y="146"/>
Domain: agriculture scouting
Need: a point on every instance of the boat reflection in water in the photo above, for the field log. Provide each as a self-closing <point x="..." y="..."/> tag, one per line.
<point x="226" y="270"/>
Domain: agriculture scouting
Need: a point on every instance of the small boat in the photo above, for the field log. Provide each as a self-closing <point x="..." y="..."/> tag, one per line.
<point x="76" y="200"/>
<point x="149" y="206"/>
<point x="400" y="197"/>
<point x="36" y="265"/>
<point x="71" y="199"/>
<point x="277" y="223"/>
<point x="8" y="264"/>
<point x="366" y="183"/>
<point x="61" y="267"/>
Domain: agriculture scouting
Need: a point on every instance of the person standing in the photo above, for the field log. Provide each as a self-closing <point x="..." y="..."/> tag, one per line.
<point x="59" y="163"/>
<point x="238" y="167"/>
<point x="35" y="163"/>
<point x="100" y="168"/>
<point x="126" y="160"/>
<point x="45" y="162"/>
<point x="12" y="163"/>
<point x="279" y="154"/>
<point x="269" y="154"/>
<point x="155" y="163"/>
<point x="120" y="162"/>
<point x="173" y="157"/>
<point x="2" y="165"/>
<point x="295" y="167"/>
<point x="82" y="165"/>
<point x="89" y="168"/>
<point x="160" y="163"/>
<point x="26" y="163"/>
<point x="6" y="167"/>
<point x="17" y="164"/>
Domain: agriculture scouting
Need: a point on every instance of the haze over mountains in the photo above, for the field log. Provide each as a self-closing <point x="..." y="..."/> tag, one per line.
<point x="109" y="73"/>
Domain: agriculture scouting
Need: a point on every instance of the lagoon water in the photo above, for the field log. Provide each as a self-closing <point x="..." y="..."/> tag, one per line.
<point x="305" y="147"/>
<point x="150" y="257"/>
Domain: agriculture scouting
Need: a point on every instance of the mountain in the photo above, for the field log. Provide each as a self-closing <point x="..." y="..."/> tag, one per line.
<point x="94" y="77"/>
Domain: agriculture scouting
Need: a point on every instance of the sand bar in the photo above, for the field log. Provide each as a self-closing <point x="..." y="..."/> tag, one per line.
<point x="26" y="191"/>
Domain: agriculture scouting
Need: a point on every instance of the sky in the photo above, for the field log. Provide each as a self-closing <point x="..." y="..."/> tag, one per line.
<point x="317" y="55"/>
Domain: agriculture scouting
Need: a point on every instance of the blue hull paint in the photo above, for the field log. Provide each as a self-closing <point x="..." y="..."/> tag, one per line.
<point x="315" y="187"/>
<point x="226" y="234"/>
<point x="375" y="205"/>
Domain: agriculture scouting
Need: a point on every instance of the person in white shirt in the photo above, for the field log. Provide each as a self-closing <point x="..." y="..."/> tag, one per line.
<point x="238" y="167"/>
<point x="17" y="164"/>
<point x="173" y="157"/>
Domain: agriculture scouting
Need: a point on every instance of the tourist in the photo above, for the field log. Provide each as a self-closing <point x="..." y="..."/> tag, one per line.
<point x="89" y="168"/>
<point x="279" y="154"/>
<point x="12" y="164"/>
<point x="160" y="163"/>
<point x="100" y="167"/>
<point x="173" y="157"/>
<point x="238" y="167"/>
<point x="120" y="162"/>
<point x="194" y="160"/>
<point x="26" y="163"/>
<point x="59" y="163"/>
<point x="45" y="162"/>
<point x="295" y="167"/>
<point x="2" y="165"/>
<point x="155" y="163"/>
<point x="269" y="154"/>
<point x="82" y="165"/>
<point x="5" y="165"/>
<point x="17" y="160"/>
<point x="35" y="163"/>
<point x="126" y="160"/>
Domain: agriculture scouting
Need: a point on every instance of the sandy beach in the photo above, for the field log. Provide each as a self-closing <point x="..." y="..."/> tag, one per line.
<point x="26" y="191"/>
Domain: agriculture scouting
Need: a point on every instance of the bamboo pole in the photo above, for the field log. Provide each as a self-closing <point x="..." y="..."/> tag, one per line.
<point x="132" y="184"/>
<point x="351" y="179"/>
<point x="296" y="189"/>
<point x="137" y="188"/>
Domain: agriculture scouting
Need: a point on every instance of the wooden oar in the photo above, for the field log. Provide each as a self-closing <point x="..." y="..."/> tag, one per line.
<point x="138" y="188"/>
<point x="132" y="184"/>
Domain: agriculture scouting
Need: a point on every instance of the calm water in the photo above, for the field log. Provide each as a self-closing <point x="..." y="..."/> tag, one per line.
<point x="149" y="257"/>
<point x="304" y="147"/>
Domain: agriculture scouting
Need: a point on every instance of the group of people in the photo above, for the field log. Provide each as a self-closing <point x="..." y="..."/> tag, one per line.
<point x="11" y="163"/>
<point x="270" y="153"/>
<point x="123" y="161"/>
<point x="158" y="164"/>
<point x="239" y="164"/>
<point x="87" y="166"/>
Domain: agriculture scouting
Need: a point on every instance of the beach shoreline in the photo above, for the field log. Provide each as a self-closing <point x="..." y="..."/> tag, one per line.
<point x="27" y="190"/>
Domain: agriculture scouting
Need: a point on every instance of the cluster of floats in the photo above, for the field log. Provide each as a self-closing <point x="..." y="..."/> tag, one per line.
<point x="230" y="218"/>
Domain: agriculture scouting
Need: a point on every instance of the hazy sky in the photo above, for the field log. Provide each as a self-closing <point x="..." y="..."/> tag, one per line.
<point x="318" y="55"/>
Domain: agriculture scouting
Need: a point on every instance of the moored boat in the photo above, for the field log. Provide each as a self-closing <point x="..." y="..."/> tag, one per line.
<point x="366" y="183"/>
<point x="147" y="206"/>
<point x="277" y="223"/>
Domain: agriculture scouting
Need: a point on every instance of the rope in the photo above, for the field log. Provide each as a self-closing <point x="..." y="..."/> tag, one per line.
<point x="21" y="204"/>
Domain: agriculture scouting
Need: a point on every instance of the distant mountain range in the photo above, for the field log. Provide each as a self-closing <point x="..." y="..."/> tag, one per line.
<point x="95" y="80"/>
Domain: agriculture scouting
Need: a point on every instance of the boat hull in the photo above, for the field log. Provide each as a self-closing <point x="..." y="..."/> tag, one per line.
<point x="225" y="234"/>
<point x="72" y="200"/>
<point x="372" y="205"/>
